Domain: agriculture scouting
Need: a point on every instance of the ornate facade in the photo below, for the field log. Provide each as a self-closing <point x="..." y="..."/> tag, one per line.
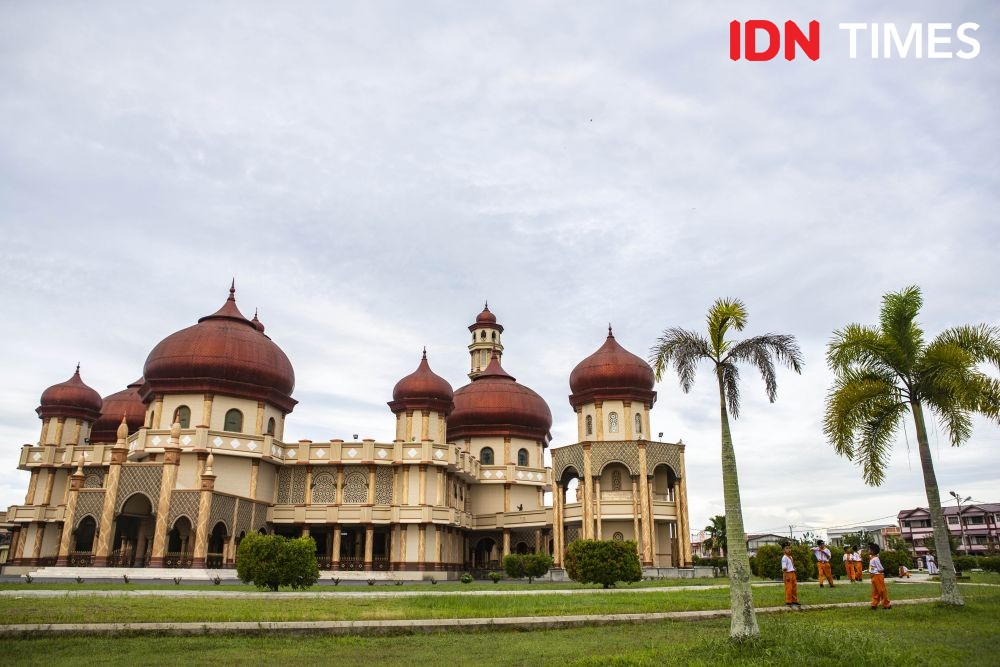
<point x="175" y="469"/>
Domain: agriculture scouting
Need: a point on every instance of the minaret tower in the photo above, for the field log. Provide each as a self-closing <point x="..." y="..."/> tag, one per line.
<point x="485" y="339"/>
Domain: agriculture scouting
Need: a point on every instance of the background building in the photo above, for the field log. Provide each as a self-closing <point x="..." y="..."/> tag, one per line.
<point x="975" y="531"/>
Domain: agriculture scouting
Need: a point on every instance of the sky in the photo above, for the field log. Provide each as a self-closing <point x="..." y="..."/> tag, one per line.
<point x="372" y="172"/>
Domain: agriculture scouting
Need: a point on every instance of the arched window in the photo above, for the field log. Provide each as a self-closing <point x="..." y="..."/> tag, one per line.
<point x="234" y="421"/>
<point x="522" y="457"/>
<point x="616" y="480"/>
<point x="183" y="415"/>
<point x="486" y="456"/>
<point x="590" y="425"/>
<point x="638" y="423"/>
<point x="270" y="426"/>
<point x="612" y="422"/>
<point x="482" y="335"/>
<point x="494" y="335"/>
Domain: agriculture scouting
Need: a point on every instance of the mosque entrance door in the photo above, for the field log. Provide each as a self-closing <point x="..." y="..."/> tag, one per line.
<point x="134" y="527"/>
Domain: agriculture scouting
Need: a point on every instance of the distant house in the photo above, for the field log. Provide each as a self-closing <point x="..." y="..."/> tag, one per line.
<point x="877" y="532"/>
<point x="756" y="540"/>
<point x="981" y="524"/>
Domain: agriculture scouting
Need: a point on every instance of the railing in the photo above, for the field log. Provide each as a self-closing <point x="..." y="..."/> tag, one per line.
<point x="325" y="563"/>
<point x="80" y="559"/>
<point x="213" y="561"/>
<point x="664" y="497"/>
<point x="351" y="564"/>
<point x="616" y="495"/>
<point x="177" y="560"/>
<point x="120" y="558"/>
<point x="380" y="563"/>
<point x="48" y="561"/>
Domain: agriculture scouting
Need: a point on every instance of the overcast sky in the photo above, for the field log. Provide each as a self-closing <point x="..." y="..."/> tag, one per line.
<point x="370" y="172"/>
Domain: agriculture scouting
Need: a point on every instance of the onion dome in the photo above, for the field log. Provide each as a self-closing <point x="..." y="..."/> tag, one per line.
<point x="495" y="404"/>
<point x="612" y="373"/>
<point x="422" y="390"/>
<point x="486" y="320"/>
<point x="258" y="325"/>
<point x="224" y="353"/>
<point x="71" y="398"/>
<point x="126" y="403"/>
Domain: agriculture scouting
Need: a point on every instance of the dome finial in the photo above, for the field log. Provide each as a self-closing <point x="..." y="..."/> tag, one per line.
<point x="232" y="290"/>
<point x="486" y="304"/>
<point x="425" y="352"/>
<point x="77" y="368"/>
<point x="610" y="335"/>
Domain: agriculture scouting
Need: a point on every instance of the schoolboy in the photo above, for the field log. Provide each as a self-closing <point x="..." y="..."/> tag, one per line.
<point x="879" y="593"/>
<point x="822" y="555"/>
<point x="788" y="575"/>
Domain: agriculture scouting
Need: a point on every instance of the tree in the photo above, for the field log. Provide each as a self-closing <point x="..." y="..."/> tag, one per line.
<point x="859" y="538"/>
<point x="604" y="562"/>
<point x="717" y="535"/>
<point x="684" y="350"/>
<point x="271" y="561"/>
<point x="882" y="373"/>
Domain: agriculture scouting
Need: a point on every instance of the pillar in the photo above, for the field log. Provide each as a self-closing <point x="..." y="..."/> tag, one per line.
<point x="586" y="503"/>
<point x="597" y="503"/>
<point x="635" y="515"/>
<point x="599" y="418"/>
<point x="684" y="537"/>
<point x="371" y="484"/>
<point x="206" y="411"/>
<point x="403" y="530"/>
<point x="204" y="510"/>
<point x="652" y="521"/>
<point x="254" y="474"/>
<point x="425" y="425"/>
<point x="405" y="496"/>
<point x="65" y="541"/>
<point x="506" y="541"/>
<point x="104" y="530"/>
<point x="171" y="461"/>
<point x="259" y="424"/>
<point x="421" y="545"/>
<point x="369" y="545"/>
<point x="647" y="556"/>
<point x="627" y="415"/>
<point x="506" y="497"/>
<point x="335" y="552"/>
<point x="423" y="486"/>
<point x="557" y="525"/>
<point x="157" y="411"/>
<point x="50" y="480"/>
<point x="60" y="423"/>
<point x="77" y="428"/>
<point x="29" y="497"/>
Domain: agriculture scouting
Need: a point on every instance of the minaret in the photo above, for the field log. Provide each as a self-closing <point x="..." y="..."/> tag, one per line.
<point x="485" y="339"/>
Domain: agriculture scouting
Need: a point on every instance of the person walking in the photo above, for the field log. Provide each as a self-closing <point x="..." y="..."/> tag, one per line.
<point x="824" y="570"/>
<point x="879" y="593"/>
<point x="789" y="577"/>
<point x="932" y="567"/>
<point x="853" y="573"/>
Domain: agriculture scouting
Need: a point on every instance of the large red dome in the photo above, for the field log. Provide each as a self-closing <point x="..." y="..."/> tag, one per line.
<point x="224" y="353"/>
<point x="72" y="398"/>
<point x="422" y="389"/>
<point x="127" y="403"/>
<point x="495" y="404"/>
<point x="612" y="372"/>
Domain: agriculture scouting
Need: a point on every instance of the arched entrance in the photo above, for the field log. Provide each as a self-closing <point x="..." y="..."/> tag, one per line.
<point x="134" y="526"/>
<point x="485" y="554"/>
<point x="180" y="544"/>
<point x="83" y="538"/>
<point x="217" y="540"/>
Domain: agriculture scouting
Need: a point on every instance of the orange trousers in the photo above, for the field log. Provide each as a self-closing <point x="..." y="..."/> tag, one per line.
<point x="824" y="571"/>
<point x="854" y="570"/>
<point x="879" y="593"/>
<point x="791" y="588"/>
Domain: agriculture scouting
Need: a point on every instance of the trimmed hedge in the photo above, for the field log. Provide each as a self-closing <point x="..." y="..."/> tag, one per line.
<point x="604" y="562"/>
<point x="767" y="562"/>
<point x="270" y="561"/>
<point x="530" y="565"/>
<point x="892" y="559"/>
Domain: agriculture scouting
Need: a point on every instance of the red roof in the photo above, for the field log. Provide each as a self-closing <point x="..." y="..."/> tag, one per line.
<point x="486" y="319"/>
<point x="72" y="398"/>
<point x="612" y="372"/>
<point x="422" y="389"/>
<point x="127" y="403"/>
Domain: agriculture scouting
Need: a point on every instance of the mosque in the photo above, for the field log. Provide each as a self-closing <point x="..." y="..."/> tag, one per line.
<point x="175" y="469"/>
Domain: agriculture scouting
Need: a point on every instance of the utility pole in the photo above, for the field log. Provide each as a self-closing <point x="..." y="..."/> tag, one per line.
<point x="961" y="524"/>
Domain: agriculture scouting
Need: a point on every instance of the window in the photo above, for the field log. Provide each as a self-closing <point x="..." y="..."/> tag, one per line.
<point x="953" y="520"/>
<point x="616" y="480"/>
<point x="618" y="537"/>
<point x="183" y="415"/>
<point x="270" y="426"/>
<point x="612" y="422"/>
<point x="486" y="456"/>
<point x="494" y="336"/>
<point x="482" y="335"/>
<point x="638" y="423"/>
<point x="234" y="421"/>
<point x="522" y="457"/>
<point x="590" y="425"/>
<point x="974" y="521"/>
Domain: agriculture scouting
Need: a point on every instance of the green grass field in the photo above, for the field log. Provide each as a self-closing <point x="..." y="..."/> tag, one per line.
<point x="926" y="634"/>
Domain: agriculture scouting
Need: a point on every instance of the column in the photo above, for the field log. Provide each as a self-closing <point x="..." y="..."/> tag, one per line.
<point x="50" y="480"/>
<point x="409" y="426"/>
<point x="405" y="472"/>
<point x="340" y="485"/>
<point x="335" y="555"/>
<point x="60" y="423"/>
<point x="105" y="533"/>
<point x="506" y="542"/>
<point x="204" y="510"/>
<point x="259" y="424"/>
<point x="586" y="503"/>
<point x="506" y="451"/>
<point x="403" y="530"/>
<point x="635" y="515"/>
<point x="369" y="545"/>
<point x="506" y="497"/>
<point x="597" y="503"/>
<point x="538" y="540"/>
<point x="652" y="521"/>
<point x="599" y="419"/>
<point x="684" y="538"/>
<point x="421" y="545"/>
<point x="557" y="525"/>
<point x="579" y="425"/>
<point x="171" y="461"/>
<point x="29" y="497"/>
<point x="158" y="411"/>
<point x="309" y="484"/>
<point x="423" y="486"/>
<point x="425" y="425"/>
<point x="65" y="542"/>
<point x="647" y="556"/>
<point x="371" y="484"/>
<point x="629" y="426"/>
<point x="77" y="427"/>
<point x="206" y="411"/>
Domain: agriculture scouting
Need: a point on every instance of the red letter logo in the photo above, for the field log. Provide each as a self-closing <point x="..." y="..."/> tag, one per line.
<point x="794" y="37"/>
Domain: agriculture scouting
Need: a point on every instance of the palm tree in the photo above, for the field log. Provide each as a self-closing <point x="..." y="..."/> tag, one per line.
<point x="684" y="350"/>
<point x="717" y="534"/>
<point x="882" y="373"/>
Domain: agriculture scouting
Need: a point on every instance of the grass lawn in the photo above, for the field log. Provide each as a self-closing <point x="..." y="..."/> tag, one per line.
<point x="278" y="608"/>
<point x="927" y="634"/>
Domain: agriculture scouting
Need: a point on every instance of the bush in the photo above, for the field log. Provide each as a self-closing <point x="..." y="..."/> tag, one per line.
<point x="990" y="563"/>
<point x="526" y="565"/>
<point x="964" y="563"/>
<point x="767" y="562"/>
<point x="604" y="562"/>
<point x="495" y="576"/>
<point x="892" y="559"/>
<point x="837" y="562"/>
<point x="466" y="578"/>
<point x="513" y="566"/>
<point x="270" y="561"/>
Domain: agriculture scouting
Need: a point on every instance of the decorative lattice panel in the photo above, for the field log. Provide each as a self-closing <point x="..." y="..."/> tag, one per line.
<point x="522" y="535"/>
<point x="183" y="503"/>
<point x="244" y="517"/>
<point x="139" y="478"/>
<point x="222" y="510"/>
<point x="571" y="533"/>
<point x="89" y="502"/>
<point x="259" y="516"/>
<point x="324" y="489"/>
<point x="663" y="452"/>
<point x="383" y="485"/>
<point x="298" y="493"/>
<point x="355" y="488"/>
<point x="284" y="486"/>
<point x="625" y="452"/>
<point x="564" y="458"/>
<point x="616" y="480"/>
<point x="94" y="478"/>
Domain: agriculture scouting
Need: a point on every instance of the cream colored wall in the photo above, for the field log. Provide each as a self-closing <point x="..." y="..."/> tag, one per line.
<point x="524" y="495"/>
<point x="626" y="528"/>
<point x="413" y="496"/>
<point x="432" y="485"/>
<point x="607" y="408"/>
<point x="187" y="472"/>
<point x="267" y="480"/>
<point x="50" y="540"/>
<point x="173" y="401"/>
<point x="412" y="540"/>
<point x="31" y="533"/>
<point x="487" y="498"/>
<point x="433" y="431"/>
<point x="222" y="404"/>
<point x="59" y="486"/>
<point x="607" y="476"/>
<point x="233" y="476"/>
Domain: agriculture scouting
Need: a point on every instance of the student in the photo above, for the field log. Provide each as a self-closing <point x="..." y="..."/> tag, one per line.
<point x="788" y="575"/>
<point x="822" y="555"/>
<point x="904" y="572"/>
<point x="879" y="594"/>
<point x="932" y="567"/>
<point x="856" y="563"/>
<point x="849" y="562"/>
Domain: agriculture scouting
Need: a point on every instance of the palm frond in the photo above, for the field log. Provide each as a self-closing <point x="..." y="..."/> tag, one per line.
<point x="876" y="437"/>
<point x="981" y="341"/>
<point x="898" y="322"/>
<point x="683" y="349"/>
<point x="725" y="314"/>
<point x="730" y="378"/>
<point x="852" y="400"/>
<point x="856" y="345"/>
<point x="955" y="420"/>
<point x="762" y="351"/>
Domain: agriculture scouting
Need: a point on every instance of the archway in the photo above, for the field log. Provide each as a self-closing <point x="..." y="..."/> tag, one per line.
<point x="134" y="528"/>
<point x="217" y="545"/>
<point x="485" y="553"/>
<point x="180" y="541"/>
<point x="84" y="536"/>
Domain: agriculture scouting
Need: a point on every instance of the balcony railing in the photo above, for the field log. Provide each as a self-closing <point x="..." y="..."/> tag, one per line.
<point x="80" y="559"/>
<point x="213" y="561"/>
<point x="178" y="560"/>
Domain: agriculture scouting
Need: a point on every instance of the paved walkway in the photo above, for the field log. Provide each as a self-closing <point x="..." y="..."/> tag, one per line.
<point x="374" y="627"/>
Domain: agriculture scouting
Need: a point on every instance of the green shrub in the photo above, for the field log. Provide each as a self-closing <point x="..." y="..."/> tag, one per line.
<point x="495" y="576"/>
<point x="990" y="563"/>
<point x="466" y="578"/>
<point x="513" y="566"/>
<point x="604" y="562"/>
<point x="965" y="563"/>
<point x="892" y="559"/>
<point x="837" y="562"/>
<point x="767" y="562"/>
<point x="271" y="561"/>
<point x="530" y="565"/>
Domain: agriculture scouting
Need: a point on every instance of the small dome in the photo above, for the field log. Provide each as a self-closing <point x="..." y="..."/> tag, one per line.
<point x="422" y="389"/>
<point x="486" y="319"/>
<point x="71" y="398"/>
<point x="223" y="353"/>
<point x="495" y="404"/>
<point x="127" y="403"/>
<point x="613" y="372"/>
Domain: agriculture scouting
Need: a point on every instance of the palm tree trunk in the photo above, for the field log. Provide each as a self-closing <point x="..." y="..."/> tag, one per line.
<point x="949" y="584"/>
<point x="743" y="623"/>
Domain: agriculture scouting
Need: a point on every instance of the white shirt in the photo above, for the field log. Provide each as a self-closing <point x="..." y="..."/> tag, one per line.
<point x="856" y="556"/>
<point x="822" y="555"/>
<point x="875" y="566"/>
<point x="786" y="564"/>
<point x="930" y="558"/>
